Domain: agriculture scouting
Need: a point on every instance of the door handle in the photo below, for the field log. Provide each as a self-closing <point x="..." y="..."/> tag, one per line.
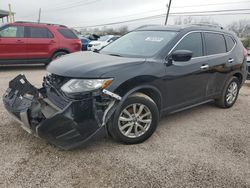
<point x="230" y="60"/>
<point x="204" y="67"/>
<point x="20" y="41"/>
<point x="52" y="42"/>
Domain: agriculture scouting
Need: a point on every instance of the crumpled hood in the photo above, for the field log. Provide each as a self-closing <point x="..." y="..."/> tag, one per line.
<point x="90" y="64"/>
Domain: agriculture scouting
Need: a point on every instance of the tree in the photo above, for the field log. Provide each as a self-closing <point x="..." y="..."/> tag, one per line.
<point x="105" y="31"/>
<point x="194" y="20"/>
<point x="241" y="28"/>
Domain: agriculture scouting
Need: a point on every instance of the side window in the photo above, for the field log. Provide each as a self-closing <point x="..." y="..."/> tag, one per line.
<point x="67" y="33"/>
<point x="192" y="42"/>
<point x="215" y="43"/>
<point x="230" y="42"/>
<point x="12" y="32"/>
<point x="40" y="32"/>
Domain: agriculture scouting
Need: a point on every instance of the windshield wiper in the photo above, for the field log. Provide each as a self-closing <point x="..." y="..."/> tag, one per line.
<point x="115" y="55"/>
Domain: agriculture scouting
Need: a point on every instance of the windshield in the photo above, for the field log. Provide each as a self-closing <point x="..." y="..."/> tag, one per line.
<point x="140" y="43"/>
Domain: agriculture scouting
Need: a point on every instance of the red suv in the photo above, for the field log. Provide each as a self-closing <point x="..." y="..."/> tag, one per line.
<point x="26" y="42"/>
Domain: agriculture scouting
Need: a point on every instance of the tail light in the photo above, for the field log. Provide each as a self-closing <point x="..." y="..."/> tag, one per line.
<point x="245" y="52"/>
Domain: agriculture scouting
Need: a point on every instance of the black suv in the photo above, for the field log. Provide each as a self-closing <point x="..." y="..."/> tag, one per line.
<point x="123" y="89"/>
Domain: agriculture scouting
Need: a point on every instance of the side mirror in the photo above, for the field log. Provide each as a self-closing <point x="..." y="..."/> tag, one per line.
<point x="181" y="55"/>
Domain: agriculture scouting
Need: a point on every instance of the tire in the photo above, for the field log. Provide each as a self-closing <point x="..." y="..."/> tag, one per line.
<point x="58" y="55"/>
<point x="119" y="125"/>
<point x="230" y="85"/>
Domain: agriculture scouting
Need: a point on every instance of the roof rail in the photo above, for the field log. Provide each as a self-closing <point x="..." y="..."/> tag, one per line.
<point x="40" y="23"/>
<point x="208" y="25"/>
<point x="141" y="27"/>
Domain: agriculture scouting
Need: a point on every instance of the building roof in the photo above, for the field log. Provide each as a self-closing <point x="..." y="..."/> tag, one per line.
<point x="3" y="13"/>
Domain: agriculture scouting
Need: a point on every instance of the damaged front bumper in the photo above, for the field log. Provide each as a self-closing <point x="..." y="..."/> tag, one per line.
<point x="73" y="125"/>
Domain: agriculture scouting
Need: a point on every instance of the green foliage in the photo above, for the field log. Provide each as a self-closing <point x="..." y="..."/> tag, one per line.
<point x="246" y="42"/>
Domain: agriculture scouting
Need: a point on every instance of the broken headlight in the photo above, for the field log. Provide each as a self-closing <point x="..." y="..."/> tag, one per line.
<point x="82" y="85"/>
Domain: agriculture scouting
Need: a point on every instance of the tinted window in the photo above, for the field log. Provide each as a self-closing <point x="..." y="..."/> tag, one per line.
<point x="40" y="32"/>
<point x="215" y="43"/>
<point x="230" y="42"/>
<point x="12" y="32"/>
<point x="67" y="33"/>
<point x="192" y="42"/>
<point x="140" y="43"/>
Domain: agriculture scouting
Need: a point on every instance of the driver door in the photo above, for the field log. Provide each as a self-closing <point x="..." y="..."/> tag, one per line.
<point x="187" y="82"/>
<point x="13" y="43"/>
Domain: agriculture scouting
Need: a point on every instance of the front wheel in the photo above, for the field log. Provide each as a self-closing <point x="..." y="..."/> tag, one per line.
<point x="135" y="121"/>
<point x="229" y="94"/>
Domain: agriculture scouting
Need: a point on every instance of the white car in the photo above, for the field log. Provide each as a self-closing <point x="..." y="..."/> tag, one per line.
<point x="101" y="42"/>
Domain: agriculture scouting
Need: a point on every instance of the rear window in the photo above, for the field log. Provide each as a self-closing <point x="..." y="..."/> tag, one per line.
<point x="215" y="43"/>
<point x="40" y="32"/>
<point x="67" y="33"/>
<point x="230" y="42"/>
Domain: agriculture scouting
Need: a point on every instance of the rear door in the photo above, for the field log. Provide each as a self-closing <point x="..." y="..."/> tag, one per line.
<point x="13" y="45"/>
<point x="41" y="43"/>
<point x="220" y="60"/>
<point x="186" y="82"/>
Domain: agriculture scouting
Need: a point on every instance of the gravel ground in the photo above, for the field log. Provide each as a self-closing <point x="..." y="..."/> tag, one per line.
<point x="202" y="147"/>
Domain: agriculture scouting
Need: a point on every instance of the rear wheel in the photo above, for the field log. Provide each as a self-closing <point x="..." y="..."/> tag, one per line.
<point x="58" y="55"/>
<point x="229" y="94"/>
<point x="135" y="121"/>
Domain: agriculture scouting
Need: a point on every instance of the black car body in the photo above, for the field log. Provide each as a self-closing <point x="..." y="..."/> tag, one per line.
<point x="248" y="64"/>
<point x="194" y="67"/>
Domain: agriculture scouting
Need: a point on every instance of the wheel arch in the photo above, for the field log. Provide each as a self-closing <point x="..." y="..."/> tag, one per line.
<point x="239" y="76"/>
<point x="129" y="87"/>
<point x="60" y="50"/>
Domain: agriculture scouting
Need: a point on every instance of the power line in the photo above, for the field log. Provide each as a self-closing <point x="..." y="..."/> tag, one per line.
<point x="65" y="5"/>
<point x="225" y="10"/>
<point x="159" y="16"/>
<point x="69" y="6"/>
<point x="176" y="14"/>
<point x="211" y="4"/>
<point x="79" y="4"/>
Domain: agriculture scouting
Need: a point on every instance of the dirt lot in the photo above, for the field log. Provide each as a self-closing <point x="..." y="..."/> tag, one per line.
<point x="201" y="147"/>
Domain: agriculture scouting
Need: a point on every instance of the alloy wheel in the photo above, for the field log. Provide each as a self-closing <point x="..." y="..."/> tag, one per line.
<point x="135" y="120"/>
<point x="232" y="92"/>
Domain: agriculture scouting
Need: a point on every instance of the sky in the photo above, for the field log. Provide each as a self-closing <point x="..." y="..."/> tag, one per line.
<point x="82" y="13"/>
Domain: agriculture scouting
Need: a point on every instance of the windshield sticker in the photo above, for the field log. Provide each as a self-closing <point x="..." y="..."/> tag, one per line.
<point x="154" y="39"/>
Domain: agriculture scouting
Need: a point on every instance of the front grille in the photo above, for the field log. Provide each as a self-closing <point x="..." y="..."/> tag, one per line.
<point x="56" y="81"/>
<point x="53" y="84"/>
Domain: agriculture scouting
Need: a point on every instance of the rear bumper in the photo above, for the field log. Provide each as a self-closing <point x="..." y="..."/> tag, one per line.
<point x="74" y="125"/>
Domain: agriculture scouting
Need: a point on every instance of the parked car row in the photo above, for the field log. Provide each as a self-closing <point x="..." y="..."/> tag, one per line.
<point x="102" y="42"/>
<point x="94" y="42"/>
<point x="28" y="42"/>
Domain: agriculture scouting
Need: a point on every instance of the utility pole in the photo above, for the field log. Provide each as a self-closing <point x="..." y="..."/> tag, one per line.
<point x="39" y="15"/>
<point x="11" y="16"/>
<point x="168" y="5"/>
